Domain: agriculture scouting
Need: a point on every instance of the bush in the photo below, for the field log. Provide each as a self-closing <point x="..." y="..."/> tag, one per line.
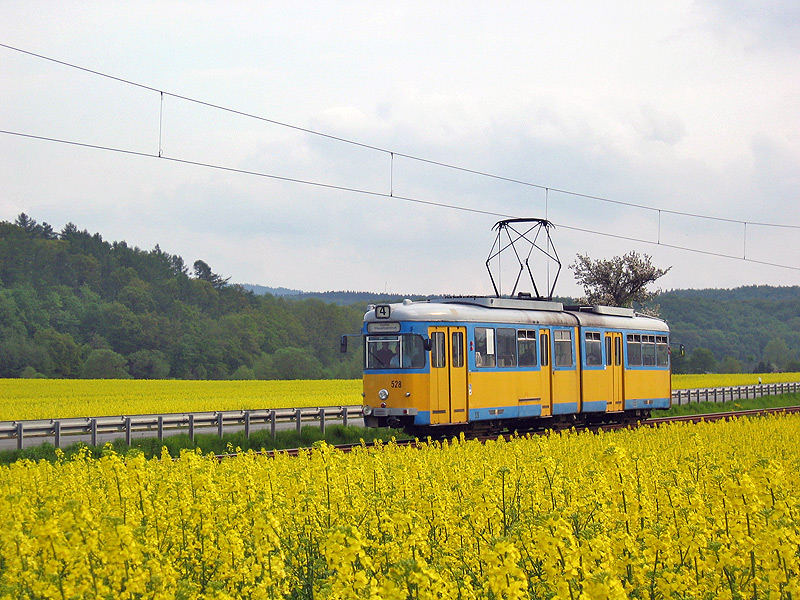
<point x="243" y="372"/>
<point x="148" y="364"/>
<point x="105" y="364"/>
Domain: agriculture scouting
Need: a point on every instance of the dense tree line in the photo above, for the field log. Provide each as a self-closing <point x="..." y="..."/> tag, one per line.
<point x="753" y="328"/>
<point x="74" y="305"/>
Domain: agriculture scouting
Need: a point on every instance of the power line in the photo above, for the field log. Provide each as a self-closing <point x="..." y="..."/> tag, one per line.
<point x="394" y="153"/>
<point x="380" y="195"/>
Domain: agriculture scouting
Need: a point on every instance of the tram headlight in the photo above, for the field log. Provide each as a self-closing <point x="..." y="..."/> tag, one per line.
<point x="367" y="410"/>
<point x="383" y="394"/>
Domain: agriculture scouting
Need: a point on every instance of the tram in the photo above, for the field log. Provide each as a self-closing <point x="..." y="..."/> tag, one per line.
<point x="470" y="362"/>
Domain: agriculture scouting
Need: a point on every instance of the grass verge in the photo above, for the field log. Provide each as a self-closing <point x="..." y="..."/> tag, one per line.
<point x="150" y="447"/>
<point x="696" y="408"/>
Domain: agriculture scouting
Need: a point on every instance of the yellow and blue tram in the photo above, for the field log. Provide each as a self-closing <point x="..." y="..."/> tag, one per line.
<point x="508" y="362"/>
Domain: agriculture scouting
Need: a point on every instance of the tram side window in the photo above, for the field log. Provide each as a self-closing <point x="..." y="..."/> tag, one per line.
<point x="543" y="339"/>
<point x="484" y="347"/>
<point x="648" y="350"/>
<point x="563" y="348"/>
<point x="395" y="352"/>
<point x="594" y="349"/>
<point x="634" y="350"/>
<point x="526" y="341"/>
<point x="506" y="347"/>
<point x="608" y="350"/>
<point x="413" y="352"/>
<point x="662" y="351"/>
<point x="458" y="349"/>
<point x="438" y="351"/>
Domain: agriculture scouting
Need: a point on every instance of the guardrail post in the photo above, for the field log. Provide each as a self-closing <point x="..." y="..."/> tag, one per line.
<point x="344" y="415"/>
<point x="127" y="431"/>
<point x="272" y="424"/>
<point x="191" y="427"/>
<point x="160" y="428"/>
<point x="247" y="424"/>
<point x="93" y="425"/>
<point x="297" y="415"/>
<point x="57" y="434"/>
<point x="20" y="437"/>
<point x="322" y="420"/>
<point x="219" y="424"/>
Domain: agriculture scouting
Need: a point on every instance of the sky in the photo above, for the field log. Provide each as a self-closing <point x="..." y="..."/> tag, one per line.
<point x="680" y="106"/>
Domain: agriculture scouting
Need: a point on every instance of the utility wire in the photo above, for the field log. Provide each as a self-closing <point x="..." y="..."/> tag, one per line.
<point x="394" y="153"/>
<point x="380" y="194"/>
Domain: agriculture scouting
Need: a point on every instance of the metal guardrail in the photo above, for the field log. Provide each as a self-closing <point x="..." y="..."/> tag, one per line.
<point x="94" y="426"/>
<point x="731" y="393"/>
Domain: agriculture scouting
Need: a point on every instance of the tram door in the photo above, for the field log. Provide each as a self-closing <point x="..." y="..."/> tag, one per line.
<point x="614" y="364"/>
<point x="546" y="372"/>
<point x="448" y="375"/>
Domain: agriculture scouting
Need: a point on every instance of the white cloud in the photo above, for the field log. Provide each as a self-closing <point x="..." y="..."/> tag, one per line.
<point x="658" y="104"/>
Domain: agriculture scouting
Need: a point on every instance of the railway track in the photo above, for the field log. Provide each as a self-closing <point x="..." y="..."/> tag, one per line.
<point x="484" y="436"/>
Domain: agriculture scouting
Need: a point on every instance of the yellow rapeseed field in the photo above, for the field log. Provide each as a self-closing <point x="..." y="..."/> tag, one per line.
<point x="682" y="511"/>
<point x="59" y="398"/>
<point x="682" y="382"/>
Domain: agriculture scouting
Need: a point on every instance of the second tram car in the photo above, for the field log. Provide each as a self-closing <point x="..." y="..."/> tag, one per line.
<point x="498" y="362"/>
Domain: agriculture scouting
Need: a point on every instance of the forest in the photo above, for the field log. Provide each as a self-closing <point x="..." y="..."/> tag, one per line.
<point x="75" y="305"/>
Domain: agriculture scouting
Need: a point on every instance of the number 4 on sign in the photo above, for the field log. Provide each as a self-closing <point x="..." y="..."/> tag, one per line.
<point x="382" y="311"/>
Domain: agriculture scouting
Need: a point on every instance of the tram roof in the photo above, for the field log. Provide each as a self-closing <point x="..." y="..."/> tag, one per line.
<point x="539" y="313"/>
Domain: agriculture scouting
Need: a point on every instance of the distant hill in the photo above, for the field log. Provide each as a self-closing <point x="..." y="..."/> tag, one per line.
<point x="342" y="298"/>
<point x="260" y="290"/>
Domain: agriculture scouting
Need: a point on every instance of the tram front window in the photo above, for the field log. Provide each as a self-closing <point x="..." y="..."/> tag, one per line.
<point x="395" y="352"/>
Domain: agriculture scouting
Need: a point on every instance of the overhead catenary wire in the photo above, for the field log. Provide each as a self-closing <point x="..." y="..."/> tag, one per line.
<point x="374" y="193"/>
<point x="395" y="153"/>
